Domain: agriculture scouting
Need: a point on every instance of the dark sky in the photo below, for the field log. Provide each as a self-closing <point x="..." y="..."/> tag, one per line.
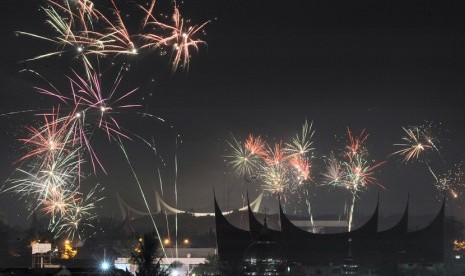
<point x="269" y="65"/>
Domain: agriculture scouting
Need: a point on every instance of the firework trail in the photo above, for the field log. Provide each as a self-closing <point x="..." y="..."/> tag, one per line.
<point x="123" y="149"/>
<point x="355" y="172"/>
<point x="309" y="209"/>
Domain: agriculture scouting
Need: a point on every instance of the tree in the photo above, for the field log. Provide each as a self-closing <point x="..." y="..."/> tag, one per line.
<point x="147" y="256"/>
<point x="68" y="251"/>
<point x="213" y="267"/>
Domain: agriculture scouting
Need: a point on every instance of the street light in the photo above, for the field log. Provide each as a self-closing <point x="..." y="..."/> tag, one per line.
<point x="104" y="265"/>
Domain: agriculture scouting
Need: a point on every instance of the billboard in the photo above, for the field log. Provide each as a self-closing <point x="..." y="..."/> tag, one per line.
<point x="38" y="248"/>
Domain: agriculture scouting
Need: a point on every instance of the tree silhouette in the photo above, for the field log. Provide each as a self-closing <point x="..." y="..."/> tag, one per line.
<point x="148" y="257"/>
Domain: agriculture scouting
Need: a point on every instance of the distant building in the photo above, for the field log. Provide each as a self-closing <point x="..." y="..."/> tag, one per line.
<point x="368" y="246"/>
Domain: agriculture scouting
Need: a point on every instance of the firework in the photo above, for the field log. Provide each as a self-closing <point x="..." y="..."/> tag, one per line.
<point x="302" y="166"/>
<point x="243" y="161"/>
<point x="355" y="146"/>
<point x="451" y="182"/>
<point x="359" y="174"/>
<point x="255" y="145"/>
<point x="93" y="106"/>
<point x="181" y="37"/>
<point x="354" y="172"/>
<point x="56" y="202"/>
<point x="48" y="139"/>
<point x="68" y="38"/>
<point x="49" y="173"/>
<point x="88" y="96"/>
<point x="79" y="215"/>
<point x="335" y="174"/>
<point x="301" y="144"/>
<point x="275" y="156"/>
<point x="416" y="142"/>
<point x="275" y="179"/>
<point x="117" y="38"/>
<point x="279" y="169"/>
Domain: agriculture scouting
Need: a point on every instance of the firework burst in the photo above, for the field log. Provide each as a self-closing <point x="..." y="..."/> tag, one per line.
<point x="242" y="159"/>
<point x="301" y="144"/>
<point x="255" y="145"/>
<point x="50" y="138"/>
<point x="356" y="144"/>
<point x="280" y="169"/>
<point x="79" y="214"/>
<point x="335" y="174"/>
<point x="354" y="172"/>
<point x="416" y="143"/>
<point x="451" y="182"/>
<point x="49" y="173"/>
<point x="181" y="37"/>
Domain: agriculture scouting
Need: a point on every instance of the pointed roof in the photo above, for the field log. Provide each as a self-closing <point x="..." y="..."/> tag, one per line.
<point x="231" y="241"/>
<point x="256" y="227"/>
<point x="371" y="226"/>
<point x="401" y="227"/>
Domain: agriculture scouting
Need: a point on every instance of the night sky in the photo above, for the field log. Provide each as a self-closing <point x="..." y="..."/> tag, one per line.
<point x="268" y="66"/>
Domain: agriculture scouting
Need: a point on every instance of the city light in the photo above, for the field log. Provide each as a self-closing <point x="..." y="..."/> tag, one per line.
<point x="104" y="265"/>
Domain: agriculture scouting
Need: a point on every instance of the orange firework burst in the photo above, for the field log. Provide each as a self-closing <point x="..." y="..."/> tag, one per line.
<point x="256" y="145"/>
<point x="302" y="166"/>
